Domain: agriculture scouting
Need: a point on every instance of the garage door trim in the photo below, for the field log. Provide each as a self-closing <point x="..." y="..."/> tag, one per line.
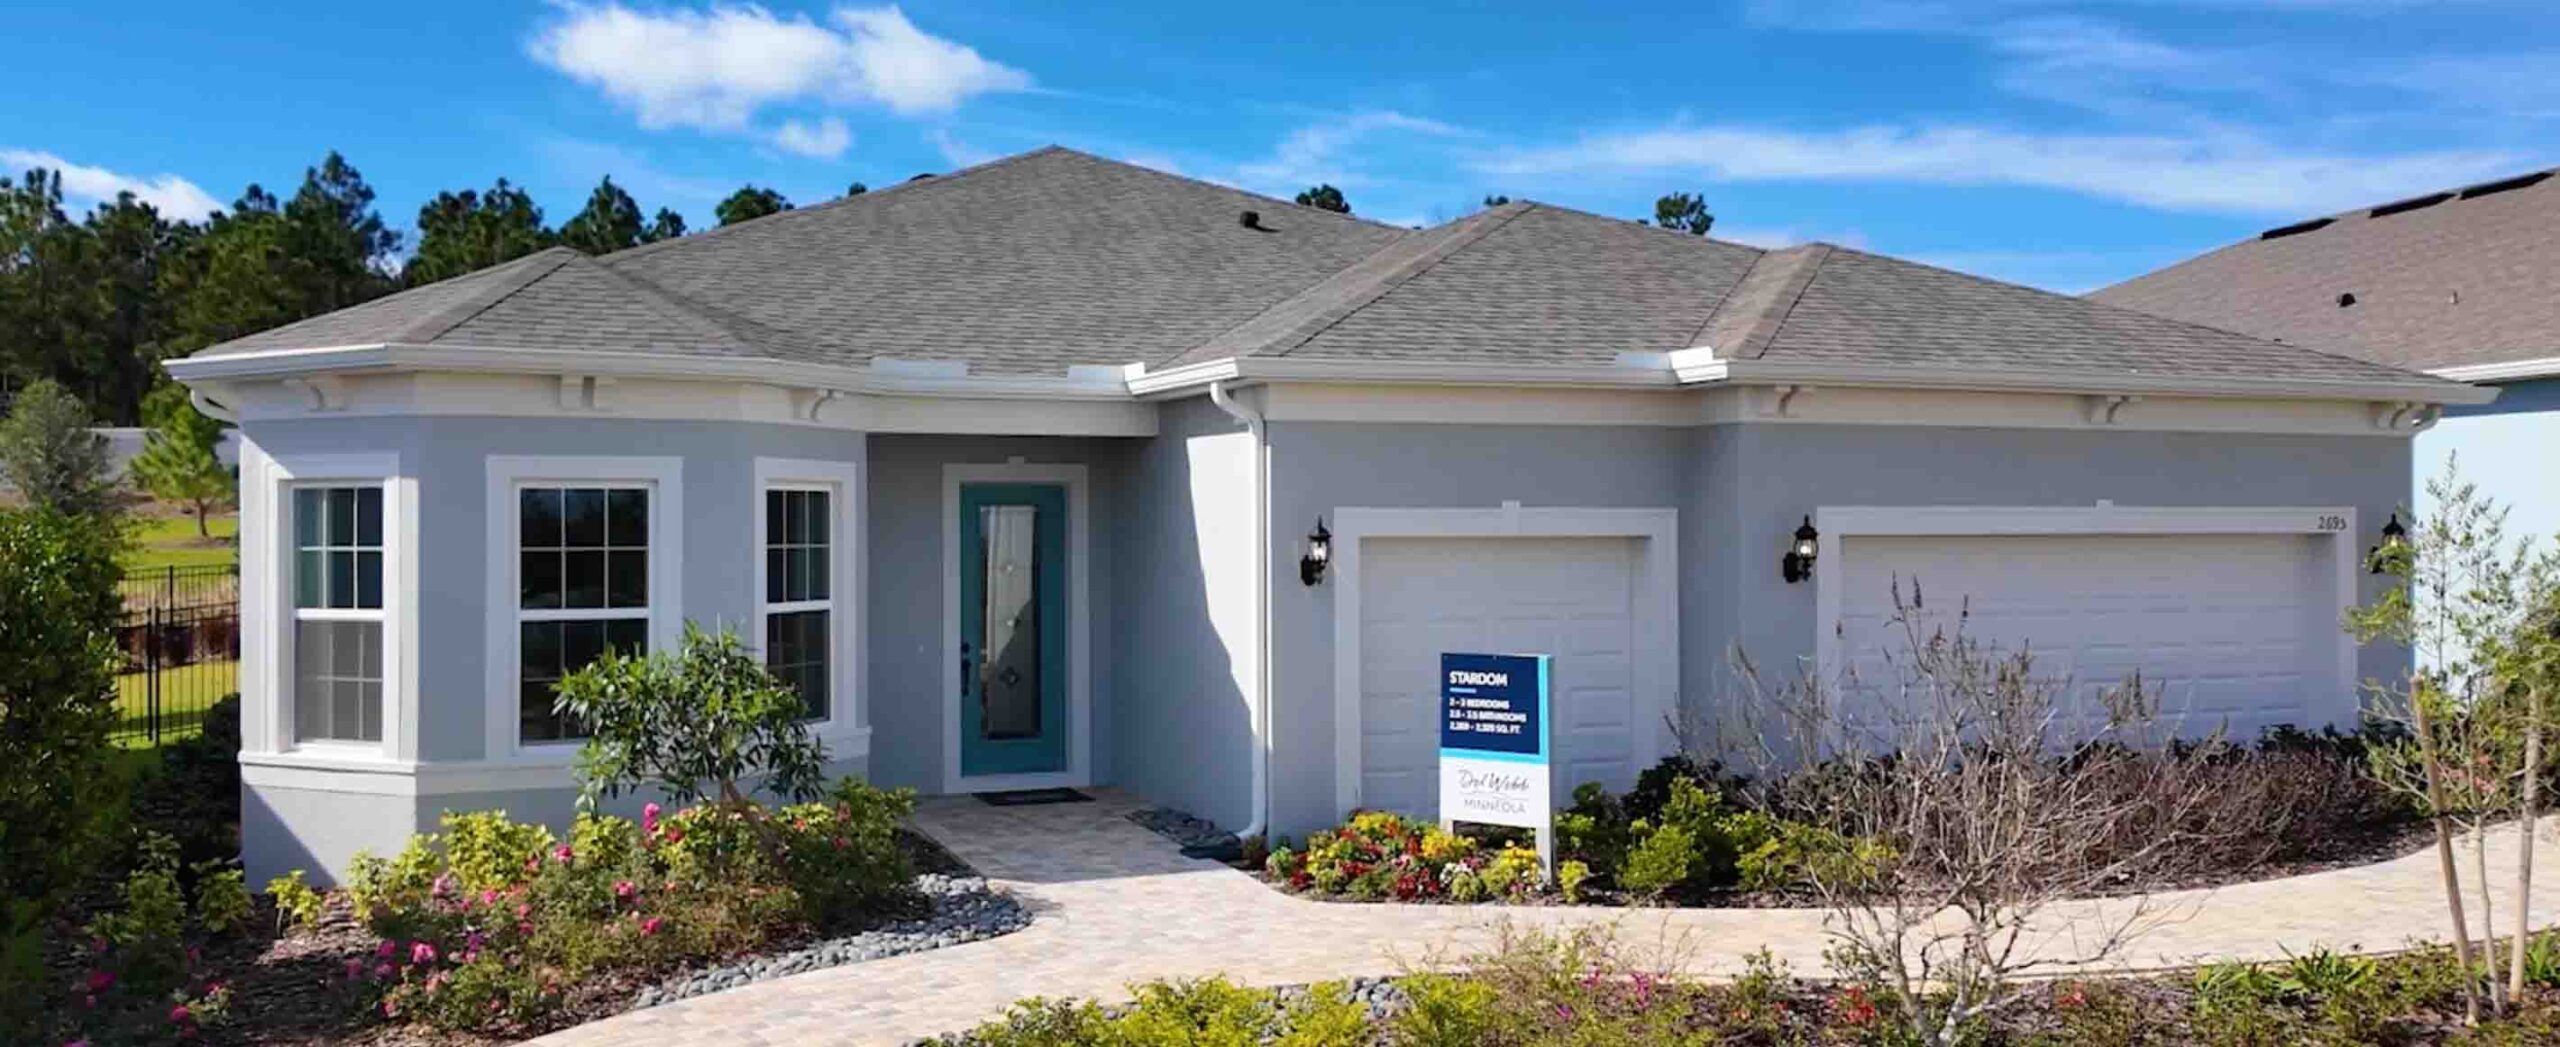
<point x="1657" y="655"/>
<point x="1836" y="522"/>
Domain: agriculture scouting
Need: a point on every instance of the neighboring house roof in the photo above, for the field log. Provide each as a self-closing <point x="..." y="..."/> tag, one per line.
<point x="1054" y="259"/>
<point x="2450" y="280"/>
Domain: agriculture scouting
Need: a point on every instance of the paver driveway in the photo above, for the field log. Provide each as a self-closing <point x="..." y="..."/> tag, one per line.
<point x="1117" y="904"/>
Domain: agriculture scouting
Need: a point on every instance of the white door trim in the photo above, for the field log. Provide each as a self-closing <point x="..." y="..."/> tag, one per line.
<point x="1656" y="660"/>
<point x="1836" y="522"/>
<point x="1079" y="770"/>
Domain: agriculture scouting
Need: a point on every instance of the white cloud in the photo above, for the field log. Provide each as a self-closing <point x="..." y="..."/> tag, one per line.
<point x="915" y="73"/>
<point x="176" y="198"/>
<point x="714" y="69"/>
<point x="1313" y="154"/>
<point x="956" y="152"/>
<point x="2181" y="173"/>
<point x="824" y="140"/>
<point x="1776" y="236"/>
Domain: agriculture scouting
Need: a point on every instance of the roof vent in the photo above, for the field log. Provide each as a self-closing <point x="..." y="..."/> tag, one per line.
<point x="2297" y="227"/>
<point x="2504" y="184"/>
<point x="2346" y="298"/>
<point x="1250" y="219"/>
<point x="2410" y="204"/>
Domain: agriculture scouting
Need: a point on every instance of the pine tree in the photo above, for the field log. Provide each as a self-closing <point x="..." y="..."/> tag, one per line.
<point x="178" y="462"/>
<point x="610" y="222"/>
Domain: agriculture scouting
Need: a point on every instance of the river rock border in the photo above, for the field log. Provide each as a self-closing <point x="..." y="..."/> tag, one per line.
<point x="965" y="910"/>
<point x="1197" y="836"/>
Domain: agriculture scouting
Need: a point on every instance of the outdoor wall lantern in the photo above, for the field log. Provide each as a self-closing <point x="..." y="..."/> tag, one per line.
<point x="1319" y="553"/>
<point x="1797" y="565"/>
<point x="2394" y="539"/>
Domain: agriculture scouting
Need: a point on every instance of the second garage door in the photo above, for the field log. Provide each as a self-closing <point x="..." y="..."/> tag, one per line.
<point x="1574" y="598"/>
<point x="2237" y="630"/>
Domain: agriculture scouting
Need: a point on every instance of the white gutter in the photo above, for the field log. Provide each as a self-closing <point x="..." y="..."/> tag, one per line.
<point x="1684" y="368"/>
<point x="2510" y="371"/>
<point x="1261" y="603"/>
<point x="885" y="377"/>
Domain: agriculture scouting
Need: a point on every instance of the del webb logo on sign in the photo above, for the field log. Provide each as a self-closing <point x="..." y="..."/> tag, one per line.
<point x="1494" y="740"/>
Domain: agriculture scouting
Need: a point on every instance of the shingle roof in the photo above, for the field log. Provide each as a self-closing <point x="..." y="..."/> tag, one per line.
<point x="2473" y="278"/>
<point x="1053" y="259"/>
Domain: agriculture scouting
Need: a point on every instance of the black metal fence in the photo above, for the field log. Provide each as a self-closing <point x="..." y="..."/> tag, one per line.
<point x="181" y="641"/>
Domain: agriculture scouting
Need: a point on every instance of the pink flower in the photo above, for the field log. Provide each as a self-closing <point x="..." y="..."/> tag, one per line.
<point x="75" y="1043"/>
<point x="624" y="889"/>
<point x="675" y="834"/>
<point x="562" y="853"/>
<point x="382" y="970"/>
<point x="101" y="981"/>
<point x="649" y="817"/>
<point x="649" y="926"/>
<point x="178" y="1014"/>
<point x="390" y="1008"/>
<point x="387" y="949"/>
<point x="90" y="1002"/>
<point x="421" y="952"/>
<point x="489" y="897"/>
<point x="355" y="968"/>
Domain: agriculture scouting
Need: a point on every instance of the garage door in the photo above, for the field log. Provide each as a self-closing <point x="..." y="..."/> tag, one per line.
<point x="2234" y="629"/>
<point x="1573" y="598"/>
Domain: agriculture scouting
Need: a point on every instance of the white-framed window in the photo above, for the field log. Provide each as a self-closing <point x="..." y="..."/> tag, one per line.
<point x="582" y="588"/>
<point x="808" y="599"/>
<point x="798" y="604"/>
<point x="585" y="556"/>
<point x="338" y="623"/>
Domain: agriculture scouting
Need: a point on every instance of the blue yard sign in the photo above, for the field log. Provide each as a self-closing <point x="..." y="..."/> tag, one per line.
<point x="1496" y="736"/>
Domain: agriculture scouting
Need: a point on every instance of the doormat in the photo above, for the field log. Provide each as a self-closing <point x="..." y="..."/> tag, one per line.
<point x="1032" y="797"/>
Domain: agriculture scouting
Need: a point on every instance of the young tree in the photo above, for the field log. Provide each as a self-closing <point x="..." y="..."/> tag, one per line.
<point x="1966" y="795"/>
<point x="750" y="202"/>
<point x="49" y="453"/>
<point x="469" y="231"/>
<point x="1325" y="198"/>
<point x="57" y="704"/>
<point x="179" y="462"/>
<point x="1683" y="212"/>
<point x="856" y="189"/>
<point x="697" y="723"/>
<point x="2462" y="608"/>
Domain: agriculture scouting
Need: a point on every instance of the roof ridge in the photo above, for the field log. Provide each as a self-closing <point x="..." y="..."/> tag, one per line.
<point x="1458" y="238"/>
<point x="429" y="327"/>
<point x="911" y="186"/>
<point x="1203" y="182"/>
<point x="1789" y="271"/>
<point x="686" y="310"/>
<point x="1361" y="291"/>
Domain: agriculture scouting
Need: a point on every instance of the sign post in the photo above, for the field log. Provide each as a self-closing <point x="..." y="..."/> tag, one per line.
<point x="1496" y="740"/>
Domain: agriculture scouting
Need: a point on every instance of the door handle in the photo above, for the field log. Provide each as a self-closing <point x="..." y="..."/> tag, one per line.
<point x="964" y="670"/>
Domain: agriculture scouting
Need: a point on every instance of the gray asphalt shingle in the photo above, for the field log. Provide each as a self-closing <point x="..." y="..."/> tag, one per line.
<point x="1052" y="259"/>
<point x="2463" y="281"/>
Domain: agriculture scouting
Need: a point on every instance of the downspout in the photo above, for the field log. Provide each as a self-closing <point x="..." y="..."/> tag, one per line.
<point x="1261" y="603"/>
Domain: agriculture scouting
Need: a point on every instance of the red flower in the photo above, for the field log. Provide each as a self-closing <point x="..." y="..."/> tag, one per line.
<point x="649" y="926"/>
<point x="178" y="1015"/>
<point x="101" y="981"/>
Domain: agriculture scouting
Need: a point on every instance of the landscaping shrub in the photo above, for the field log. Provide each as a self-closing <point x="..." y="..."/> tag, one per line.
<point x="492" y="923"/>
<point x="696" y="724"/>
<point x="191" y="791"/>
<point x="143" y="981"/>
<point x="58" y="795"/>
<point x="1383" y="855"/>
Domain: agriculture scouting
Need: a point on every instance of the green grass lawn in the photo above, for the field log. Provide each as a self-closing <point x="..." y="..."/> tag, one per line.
<point x="186" y="691"/>
<point x="171" y="541"/>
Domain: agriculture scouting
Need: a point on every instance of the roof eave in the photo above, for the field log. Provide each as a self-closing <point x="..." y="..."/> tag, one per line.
<point x="1079" y="384"/>
<point x="2504" y="371"/>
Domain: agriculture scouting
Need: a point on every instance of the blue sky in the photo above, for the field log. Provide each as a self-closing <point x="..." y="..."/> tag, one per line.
<point x="2062" y="145"/>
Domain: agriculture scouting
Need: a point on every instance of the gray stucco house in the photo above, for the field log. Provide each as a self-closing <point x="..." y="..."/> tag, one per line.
<point x="2460" y="283"/>
<point x="1019" y="472"/>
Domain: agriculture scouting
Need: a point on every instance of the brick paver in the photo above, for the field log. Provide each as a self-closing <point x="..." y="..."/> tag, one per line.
<point x="1117" y="904"/>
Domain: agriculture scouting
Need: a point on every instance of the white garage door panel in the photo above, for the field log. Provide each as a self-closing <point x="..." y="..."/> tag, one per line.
<point x="2236" y="629"/>
<point x="1570" y="597"/>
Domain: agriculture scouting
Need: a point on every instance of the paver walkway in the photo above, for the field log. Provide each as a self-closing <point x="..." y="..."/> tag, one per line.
<point x="1117" y="904"/>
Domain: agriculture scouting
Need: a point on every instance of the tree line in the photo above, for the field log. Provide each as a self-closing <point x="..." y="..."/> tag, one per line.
<point x="95" y="302"/>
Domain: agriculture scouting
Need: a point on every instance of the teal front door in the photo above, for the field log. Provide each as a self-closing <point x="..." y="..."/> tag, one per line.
<point x="1013" y="628"/>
